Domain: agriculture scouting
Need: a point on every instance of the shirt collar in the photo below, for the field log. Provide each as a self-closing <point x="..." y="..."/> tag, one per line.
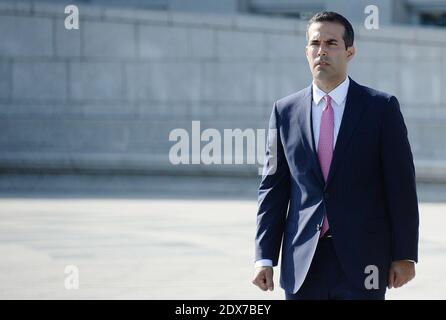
<point x="338" y="94"/>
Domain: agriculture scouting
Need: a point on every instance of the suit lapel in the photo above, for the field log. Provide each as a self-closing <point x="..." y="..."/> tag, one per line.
<point x="307" y="133"/>
<point x="350" y="118"/>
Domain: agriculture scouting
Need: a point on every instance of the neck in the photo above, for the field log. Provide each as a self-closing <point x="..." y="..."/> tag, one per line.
<point x="329" y="85"/>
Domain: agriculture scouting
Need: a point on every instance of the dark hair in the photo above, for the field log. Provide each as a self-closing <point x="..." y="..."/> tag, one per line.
<point x="335" y="17"/>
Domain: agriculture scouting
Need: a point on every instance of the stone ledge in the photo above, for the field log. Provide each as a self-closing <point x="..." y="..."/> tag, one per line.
<point x="430" y="170"/>
<point x="426" y="170"/>
<point x="243" y="22"/>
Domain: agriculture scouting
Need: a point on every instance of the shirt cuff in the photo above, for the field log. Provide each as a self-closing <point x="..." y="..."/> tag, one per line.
<point x="264" y="263"/>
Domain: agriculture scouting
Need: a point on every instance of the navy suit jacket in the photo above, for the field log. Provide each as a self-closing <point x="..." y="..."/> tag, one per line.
<point x="370" y="194"/>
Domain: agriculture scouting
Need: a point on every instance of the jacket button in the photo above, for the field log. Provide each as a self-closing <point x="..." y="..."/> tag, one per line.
<point x="326" y="195"/>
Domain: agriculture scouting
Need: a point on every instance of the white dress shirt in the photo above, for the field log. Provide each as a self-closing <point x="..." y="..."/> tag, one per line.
<point x="338" y="97"/>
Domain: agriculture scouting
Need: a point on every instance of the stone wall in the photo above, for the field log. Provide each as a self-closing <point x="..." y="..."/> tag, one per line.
<point x="104" y="98"/>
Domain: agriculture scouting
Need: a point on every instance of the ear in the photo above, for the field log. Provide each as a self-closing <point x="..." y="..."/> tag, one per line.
<point x="351" y="51"/>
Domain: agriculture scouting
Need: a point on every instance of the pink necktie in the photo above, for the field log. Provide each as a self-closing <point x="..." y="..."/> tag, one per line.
<point x="325" y="146"/>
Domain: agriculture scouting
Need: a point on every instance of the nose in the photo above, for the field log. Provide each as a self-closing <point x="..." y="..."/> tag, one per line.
<point x="321" y="51"/>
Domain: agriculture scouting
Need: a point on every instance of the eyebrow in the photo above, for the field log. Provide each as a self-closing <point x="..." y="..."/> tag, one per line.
<point x="329" y="40"/>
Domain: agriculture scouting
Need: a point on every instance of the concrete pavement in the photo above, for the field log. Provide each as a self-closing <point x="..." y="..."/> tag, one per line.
<point x="134" y="243"/>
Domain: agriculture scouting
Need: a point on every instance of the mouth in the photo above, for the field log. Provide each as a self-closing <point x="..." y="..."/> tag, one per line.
<point x="322" y="63"/>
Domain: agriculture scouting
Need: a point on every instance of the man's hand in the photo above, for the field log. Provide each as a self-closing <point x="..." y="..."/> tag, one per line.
<point x="263" y="278"/>
<point x="400" y="273"/>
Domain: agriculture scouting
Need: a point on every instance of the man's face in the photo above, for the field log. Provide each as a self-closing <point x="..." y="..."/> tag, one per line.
<point x="326" y="52"/>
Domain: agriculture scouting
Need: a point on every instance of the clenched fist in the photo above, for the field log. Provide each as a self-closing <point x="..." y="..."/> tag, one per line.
<point x="263" y="278"/>
<point x="400" y="273"/>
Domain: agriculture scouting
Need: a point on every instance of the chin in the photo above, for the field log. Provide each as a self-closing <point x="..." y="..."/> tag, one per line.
<point x="320" y="74"/>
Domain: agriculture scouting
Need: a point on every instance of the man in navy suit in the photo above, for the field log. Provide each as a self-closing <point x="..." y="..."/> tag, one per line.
<point x="339" y="194"/>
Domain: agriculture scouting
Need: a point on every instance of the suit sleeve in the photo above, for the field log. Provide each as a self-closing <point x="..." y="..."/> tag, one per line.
<point x="273" y="196"/>
<point x="399" y="183"/>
